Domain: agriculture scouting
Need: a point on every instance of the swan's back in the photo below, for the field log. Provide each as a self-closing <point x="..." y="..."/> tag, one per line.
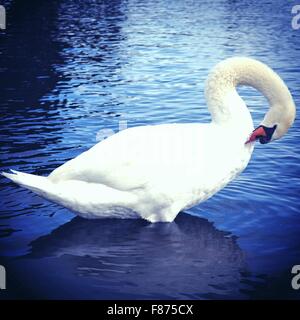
<point x="125" y="159"/>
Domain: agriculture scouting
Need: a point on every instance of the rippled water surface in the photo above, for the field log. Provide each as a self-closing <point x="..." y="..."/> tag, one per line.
<point x="71" y="68"/>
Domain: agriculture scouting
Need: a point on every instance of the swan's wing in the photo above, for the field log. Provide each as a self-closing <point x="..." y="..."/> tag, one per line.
<point x="136" y="157"/>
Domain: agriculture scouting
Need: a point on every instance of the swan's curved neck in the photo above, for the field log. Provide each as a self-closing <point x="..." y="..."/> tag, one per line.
<point x="226" y="105"/>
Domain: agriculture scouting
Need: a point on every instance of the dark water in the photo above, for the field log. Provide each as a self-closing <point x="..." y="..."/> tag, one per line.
<point x="71" y="68"/>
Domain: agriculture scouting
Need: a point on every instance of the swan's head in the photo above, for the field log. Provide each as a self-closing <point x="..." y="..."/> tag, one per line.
<point x="276" y="123"/>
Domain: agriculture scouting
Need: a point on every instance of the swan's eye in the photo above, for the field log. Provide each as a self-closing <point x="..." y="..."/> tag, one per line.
<point x="268" y="134"/>
<point x="263" y="140"/>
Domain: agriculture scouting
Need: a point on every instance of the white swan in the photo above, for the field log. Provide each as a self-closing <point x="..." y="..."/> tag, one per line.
<point x="156" y="171"/>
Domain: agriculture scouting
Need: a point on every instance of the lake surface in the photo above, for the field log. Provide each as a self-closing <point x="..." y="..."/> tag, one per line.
<point x="69" y="69"/>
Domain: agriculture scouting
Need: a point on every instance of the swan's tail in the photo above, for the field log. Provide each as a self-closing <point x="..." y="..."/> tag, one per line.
<point x="79" y="196"/>
<point x="39" y="185"/>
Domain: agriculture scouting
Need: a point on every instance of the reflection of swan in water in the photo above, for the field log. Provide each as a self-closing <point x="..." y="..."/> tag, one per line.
<point x="185" y="259"/>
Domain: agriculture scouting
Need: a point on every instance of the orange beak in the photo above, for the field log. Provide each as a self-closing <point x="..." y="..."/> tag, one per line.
<point x="256" y="134"/>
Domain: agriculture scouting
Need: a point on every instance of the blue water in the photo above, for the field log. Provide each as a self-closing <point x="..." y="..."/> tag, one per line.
<point x="71" y="68"/>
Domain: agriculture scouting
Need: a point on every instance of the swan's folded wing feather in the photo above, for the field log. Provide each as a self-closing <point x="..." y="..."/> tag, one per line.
<point x="134" y="158"/>
<point x="119" y="162"/>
